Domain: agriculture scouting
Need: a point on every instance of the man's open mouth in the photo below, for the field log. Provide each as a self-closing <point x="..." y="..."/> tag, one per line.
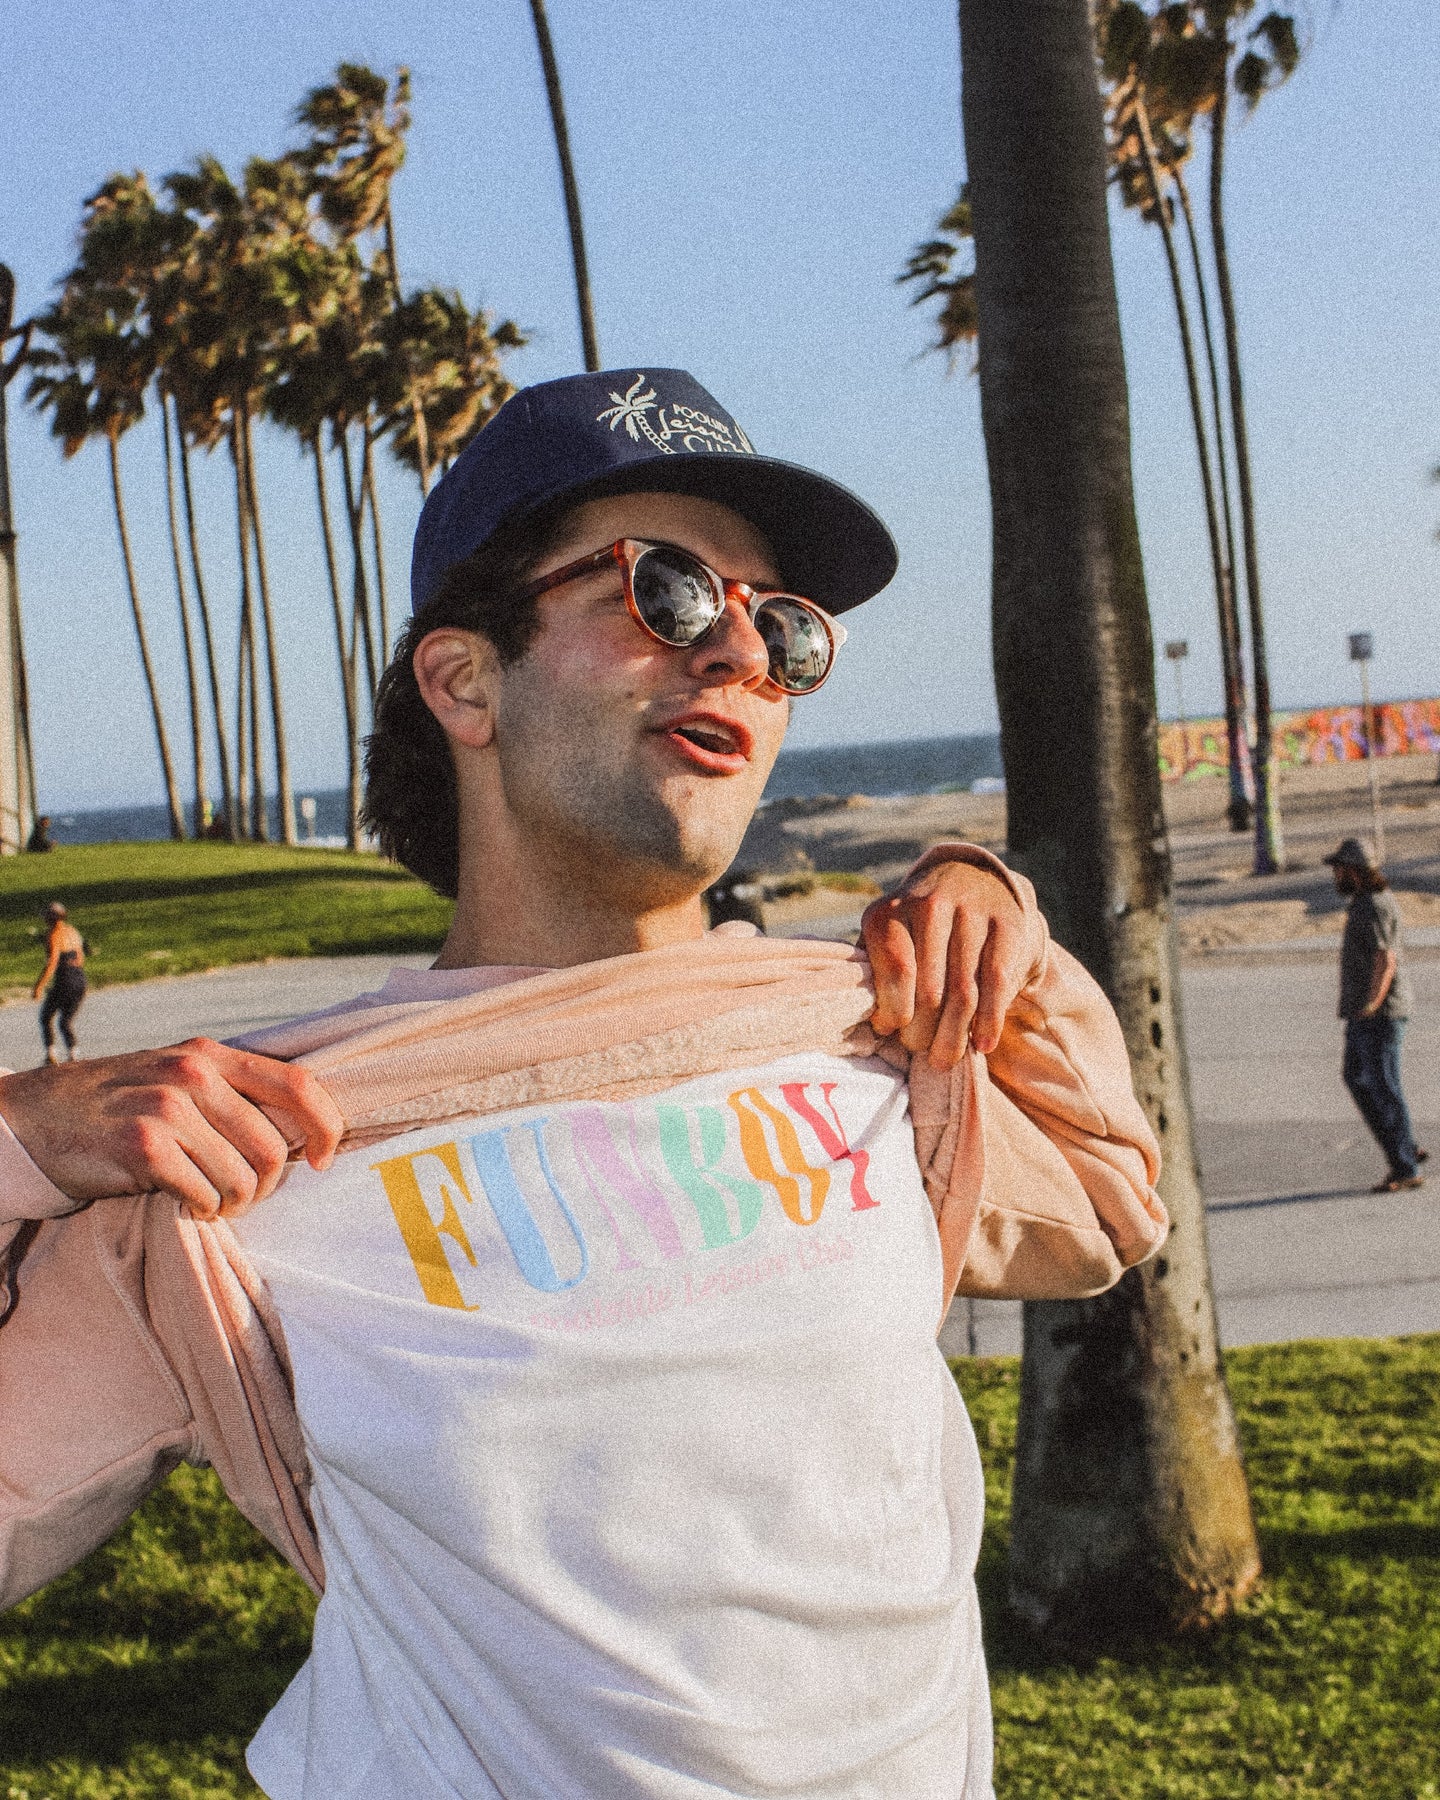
<point x="715" y="738"/>
<point x="709" y="740"/>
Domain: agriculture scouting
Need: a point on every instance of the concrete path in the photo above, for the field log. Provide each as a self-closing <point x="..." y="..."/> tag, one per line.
<point x="1299" y="1247"/>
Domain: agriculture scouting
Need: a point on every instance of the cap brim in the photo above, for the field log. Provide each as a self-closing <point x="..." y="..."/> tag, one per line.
<point x="829" y="545"/>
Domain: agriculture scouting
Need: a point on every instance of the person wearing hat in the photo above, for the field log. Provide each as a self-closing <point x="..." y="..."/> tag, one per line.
<point x="603" y="1395"/>
<point x="1375" y="1001"/>
<point x="62" y="981"/>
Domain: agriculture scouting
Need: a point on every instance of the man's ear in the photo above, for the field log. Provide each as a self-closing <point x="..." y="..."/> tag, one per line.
<point x="456" y="672"/>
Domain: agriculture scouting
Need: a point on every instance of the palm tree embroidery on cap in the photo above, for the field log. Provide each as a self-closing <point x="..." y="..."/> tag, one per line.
<point x="694" y="430"/>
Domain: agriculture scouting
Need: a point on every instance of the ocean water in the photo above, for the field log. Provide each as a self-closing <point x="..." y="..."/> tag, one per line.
<point x="913" y="766"/>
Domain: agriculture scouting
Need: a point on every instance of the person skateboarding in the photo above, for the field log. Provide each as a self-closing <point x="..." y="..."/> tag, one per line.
<point x="62" y="981"/>
<point x="1375" y="1002"/>
<point x="588" y="1370"/>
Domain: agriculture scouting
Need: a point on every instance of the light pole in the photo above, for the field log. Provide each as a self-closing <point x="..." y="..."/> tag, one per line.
<point x="1177" y="650"/>
<point x="1362" y="648"/>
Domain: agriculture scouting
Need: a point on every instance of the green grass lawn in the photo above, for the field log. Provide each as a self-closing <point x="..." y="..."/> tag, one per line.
<point x="160" y="909"/>
<point x="143" y="1672"/>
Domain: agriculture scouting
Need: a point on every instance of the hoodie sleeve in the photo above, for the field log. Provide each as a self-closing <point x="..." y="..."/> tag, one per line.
<point x="1039" y="1159"/>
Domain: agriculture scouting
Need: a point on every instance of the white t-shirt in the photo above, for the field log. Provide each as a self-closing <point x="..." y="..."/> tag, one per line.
<point x="638" y="1474"/>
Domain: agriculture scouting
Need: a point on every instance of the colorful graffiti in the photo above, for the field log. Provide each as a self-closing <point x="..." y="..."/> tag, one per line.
<point x="1326" y="734"/>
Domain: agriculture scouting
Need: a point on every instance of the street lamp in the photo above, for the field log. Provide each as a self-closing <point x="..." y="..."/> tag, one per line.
<point x="1177" y="650"/>
<point x="1362" y="648"/>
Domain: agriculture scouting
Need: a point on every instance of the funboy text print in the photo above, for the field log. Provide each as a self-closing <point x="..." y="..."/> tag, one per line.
<point x="536" y="1206"/>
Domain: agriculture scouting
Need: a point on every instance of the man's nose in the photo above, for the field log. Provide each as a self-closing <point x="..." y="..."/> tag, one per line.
<point x="732" y="653"/>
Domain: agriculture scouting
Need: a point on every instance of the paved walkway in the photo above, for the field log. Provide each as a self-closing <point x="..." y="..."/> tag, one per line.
<point x="1299" y="1247"/>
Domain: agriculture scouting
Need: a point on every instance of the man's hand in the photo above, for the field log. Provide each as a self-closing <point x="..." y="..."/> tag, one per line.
<point x="949" y="956"/>
<point x="211" y="1126"/>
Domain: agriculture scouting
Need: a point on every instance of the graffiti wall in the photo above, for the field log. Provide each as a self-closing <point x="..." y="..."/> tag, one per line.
<point x="1328" y="734"/>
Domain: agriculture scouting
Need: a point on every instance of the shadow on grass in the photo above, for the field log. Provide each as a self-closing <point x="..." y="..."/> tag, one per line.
<point x="161" y="1699"/>
<point x="1010" y="1648"/>
<point x="135" y="890"/>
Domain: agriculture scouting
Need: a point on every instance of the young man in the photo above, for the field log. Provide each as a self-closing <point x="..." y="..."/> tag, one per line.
<point x="1375" y="1000"/>
<point x="595" y="1380"/>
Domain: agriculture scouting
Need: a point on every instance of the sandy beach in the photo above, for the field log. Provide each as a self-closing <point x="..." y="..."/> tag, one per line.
<point x="1220" y="906"/>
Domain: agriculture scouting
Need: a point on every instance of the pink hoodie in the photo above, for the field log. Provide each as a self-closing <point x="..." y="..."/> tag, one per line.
<point x="134" y="1336"/>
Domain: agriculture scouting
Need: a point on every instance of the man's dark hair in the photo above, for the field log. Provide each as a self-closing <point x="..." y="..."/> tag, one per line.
<point x="410" y="798"/>
<point x="1365" y="881"/>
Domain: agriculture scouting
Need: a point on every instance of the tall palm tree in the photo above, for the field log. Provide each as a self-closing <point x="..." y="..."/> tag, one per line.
<point x="188" y="431"/>
<point x="1267" y="57"/>
<point x="1147" y="174"/>
<point x="357" y="126"/>
<point x="17" y="780"/>
<point x="1210" y="47"/>
<point x="250" y="255"/>
<point x="91" y="377"/>
<point x="306" y="395"/>
<point x="590" y="343"/>
<point x="200" y="822"/>
<point x="1130" y="1501"/>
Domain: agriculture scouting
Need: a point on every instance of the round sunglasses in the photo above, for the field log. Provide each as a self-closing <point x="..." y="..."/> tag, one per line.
<point x="676" y="599"/>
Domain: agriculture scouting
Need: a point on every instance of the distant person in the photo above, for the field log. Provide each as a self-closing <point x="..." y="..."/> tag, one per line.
<point x="737" y="895"/>
<point x="65" y="972"/>
<point x="40" y="838"/>
<point x="1375" y="999"/>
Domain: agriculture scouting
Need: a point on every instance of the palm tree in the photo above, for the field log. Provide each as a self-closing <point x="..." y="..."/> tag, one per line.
<point x="933" y="265"/>
<point x="1209" y="47"/>
<point x="249" y="258"/>
<point x="1271" y="57"/>
<point x="455" y="359"/>
<point x="200" y="823"/>
<point x="588" y="340"/>
<point x="305" y="396"/>
<point x="356" y="147"/>
<point x="17" y="779"/>
<point x="1130" y="1501"/>
<point x="91" y="377"/>
<point x="1145" y="172"/>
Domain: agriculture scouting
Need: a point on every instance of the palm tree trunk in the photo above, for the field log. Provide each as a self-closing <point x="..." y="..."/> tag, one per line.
<point x="197" y="723"/>
<point x="360" y="627"/>
<point x="241" y="735"/>
<point x="217" y="705"/>
<point x="284" y="790"/>
<point x="556" y="97"/>
<point x="347" y="665"/>
<point x="1229" y="642"/>
<point x="259" y="803"/>
<point x="373" y="501"/>
<point x="162" y="742"/>
<point x="417" y="411"/>
<point x="254" y="819"/>
<point x="1269" y="835"/>
<point x="1130" y="1503"/>
<point x="1238" y="743"/>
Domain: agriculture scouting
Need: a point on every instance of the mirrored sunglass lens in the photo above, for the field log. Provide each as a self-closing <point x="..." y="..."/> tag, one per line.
<point x="673" y="595"/>
<point x="799" y="646"/>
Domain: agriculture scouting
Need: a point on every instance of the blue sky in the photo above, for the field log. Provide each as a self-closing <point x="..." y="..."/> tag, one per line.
<point x="753" y="178"/>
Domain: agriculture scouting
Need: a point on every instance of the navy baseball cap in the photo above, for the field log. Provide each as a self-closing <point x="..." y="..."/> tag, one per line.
<point x="623" y="431"/>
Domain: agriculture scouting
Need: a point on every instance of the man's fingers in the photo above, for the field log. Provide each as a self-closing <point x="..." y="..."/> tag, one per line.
<point x="162" y="1166"/>
<point x="953" y="1029"/>
<point x="303" y="1110"/>
<point x="892" y="963"/>
<point x="932" y="920"/>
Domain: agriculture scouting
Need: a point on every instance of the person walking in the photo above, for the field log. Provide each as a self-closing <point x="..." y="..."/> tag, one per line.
<point x="1375" y="1000"/>
<point x="64" y="972"/>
